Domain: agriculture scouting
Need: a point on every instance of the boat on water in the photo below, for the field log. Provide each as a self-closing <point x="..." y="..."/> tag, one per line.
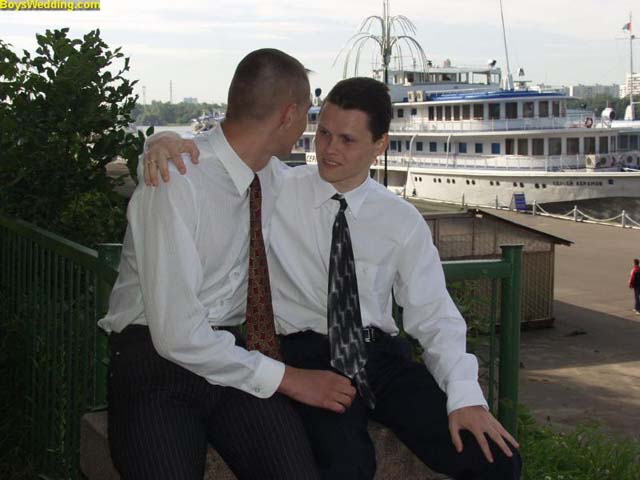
<point x="467" y="135"/>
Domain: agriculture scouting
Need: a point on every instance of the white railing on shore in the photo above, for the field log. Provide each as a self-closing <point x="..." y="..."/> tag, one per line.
<point x="575" y="214"/>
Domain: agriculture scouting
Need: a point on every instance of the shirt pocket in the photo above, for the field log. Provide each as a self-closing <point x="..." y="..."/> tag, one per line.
<point x="374" y="290"/>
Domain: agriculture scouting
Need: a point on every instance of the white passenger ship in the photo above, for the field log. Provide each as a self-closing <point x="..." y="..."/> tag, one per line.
<point x="456" y="136"/>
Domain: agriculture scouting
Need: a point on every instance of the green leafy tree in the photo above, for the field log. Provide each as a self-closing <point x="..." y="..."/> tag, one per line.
<point x="64" y="115"/>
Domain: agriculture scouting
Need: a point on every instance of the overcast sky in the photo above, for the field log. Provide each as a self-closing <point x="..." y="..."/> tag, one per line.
<point x="197" y="43"/>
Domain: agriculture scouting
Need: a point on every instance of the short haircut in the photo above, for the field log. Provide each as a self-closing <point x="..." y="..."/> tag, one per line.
<point x="368" y="95"/>
<point x="636" y="261"/>
<point x="263" y="81"/>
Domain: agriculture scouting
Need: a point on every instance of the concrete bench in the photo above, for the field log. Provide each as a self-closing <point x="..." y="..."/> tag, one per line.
<point x="394" y="459"/>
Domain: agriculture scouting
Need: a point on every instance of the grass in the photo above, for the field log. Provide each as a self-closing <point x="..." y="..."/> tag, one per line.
<point x="586" y="453"/>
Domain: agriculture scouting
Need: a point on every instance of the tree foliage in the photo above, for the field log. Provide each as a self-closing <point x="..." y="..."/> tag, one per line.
<point x="64" y="114"/>
<point x="597" y="103"/>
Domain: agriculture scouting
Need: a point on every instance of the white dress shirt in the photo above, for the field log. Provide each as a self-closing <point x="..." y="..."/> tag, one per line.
<point x="184" y="266"/>
<point x="393" y="248"/>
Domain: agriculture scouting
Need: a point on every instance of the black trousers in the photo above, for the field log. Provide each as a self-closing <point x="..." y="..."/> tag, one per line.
<point x="636" y="298"/>
<point x="408" y="401"/>
<point x="161" y="417"/>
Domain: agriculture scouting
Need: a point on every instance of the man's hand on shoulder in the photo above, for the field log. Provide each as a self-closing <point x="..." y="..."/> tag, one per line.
<point x="480" y="423"/>
<point x="163" y="147"/>
<point x="318" y="388"/>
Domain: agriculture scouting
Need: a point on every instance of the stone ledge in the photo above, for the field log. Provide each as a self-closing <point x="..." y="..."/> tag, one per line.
<point x="394" y="459"/>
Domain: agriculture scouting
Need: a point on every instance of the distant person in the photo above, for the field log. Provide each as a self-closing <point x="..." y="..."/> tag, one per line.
<point x="634" y="282"/>
<point x="193" y="269"/>
<point x="340" y="244"/>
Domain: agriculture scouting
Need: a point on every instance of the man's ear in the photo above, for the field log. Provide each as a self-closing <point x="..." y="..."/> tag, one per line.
<point x="288" y="115"/>
<point x="382" y="143"/>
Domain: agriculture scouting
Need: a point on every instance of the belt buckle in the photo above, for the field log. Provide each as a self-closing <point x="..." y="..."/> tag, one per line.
<point x="368" y="334"/>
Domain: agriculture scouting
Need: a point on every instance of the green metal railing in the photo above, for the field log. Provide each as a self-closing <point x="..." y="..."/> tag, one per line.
<point x="508" y="272"/>
<point x="57" y="289"/>
<point x="52" y="289"/>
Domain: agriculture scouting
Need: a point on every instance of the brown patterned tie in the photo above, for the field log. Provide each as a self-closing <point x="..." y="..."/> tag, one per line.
<point x="261" y="334"/>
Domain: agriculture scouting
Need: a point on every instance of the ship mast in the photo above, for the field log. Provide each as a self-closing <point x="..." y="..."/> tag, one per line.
<point x="631" y="38"/>
<point x="509" y="80"/>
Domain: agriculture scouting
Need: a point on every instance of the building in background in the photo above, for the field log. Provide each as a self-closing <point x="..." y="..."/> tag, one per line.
<point x="590" y="91"/>
<point x="631" y="85"/>
<point x="190" y="100"/>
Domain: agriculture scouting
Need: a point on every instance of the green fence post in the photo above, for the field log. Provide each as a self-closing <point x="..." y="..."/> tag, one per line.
<point x="108" y="259"/>
<point x="510" y="339"/>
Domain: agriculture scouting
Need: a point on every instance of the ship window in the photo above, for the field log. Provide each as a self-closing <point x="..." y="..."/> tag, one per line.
<point x="400" y="113"/>
<point x="415" y="179"/>
<point x="468" y="183"/>
<point x="432" y="113"/>
<point x="394" y="145"/>
<point x="453" y="180"/>
<point x="313" y="117"/>
<point x="613" y="144"/>
<point x="407" y="145"/>
<point x="611" y="181"/>
<point x="537" y="146"/>
<point x="456" y="112"/>
<point x="462" y="148"/>
<point x="555" y="146"/>
<point x="494" y="111"/>
<point x="544" y="185"/>
<point x="523" y="146"/>
<point x="448" y="181"/>
<point x="439" y="180"/>
<point x="604" y="144"/>
<point x="300" y="142"/>
<point x="515" y="184"/>
<point x="511" y="109"/>
<point x="435" y="180"/>
<point x="634" y="142"/>
<point x="497" y="183"/>
<point x="537" y="185"/>
<point x="447" y="112"/>
<point x="439" y="112"/>
<point x="521" y="185"/>
<point x="473" y="182"/>
<point x="414" y="112"/>
<point x="495" y="148"/>
<point x="478" y="111"/>
<point x="555" y="108"/>
<point x="573" y="146"/>
<point x="624" y="142"/>
<point x="419" y="146"/>
<point x="589" y="145"/>
<point x="527" y="110"/>
<point x="491" y="183"/>
<point x="433" y="147"/>
<point x="543" y="109"/>
<point x="509" y="145"/>
<point x="479" y="147"/>
<point x="445" y="147"/>
<point x="466" y="112"/>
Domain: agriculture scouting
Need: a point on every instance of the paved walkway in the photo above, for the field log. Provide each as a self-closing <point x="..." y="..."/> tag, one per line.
<point x="588" y="366"/>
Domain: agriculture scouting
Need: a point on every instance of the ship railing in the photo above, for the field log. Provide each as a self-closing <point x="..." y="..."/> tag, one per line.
<point x="491" y="125"/>
<point x="547" y="163"/>
<point x="52" y="291"/>
<point x="575" y="214"/>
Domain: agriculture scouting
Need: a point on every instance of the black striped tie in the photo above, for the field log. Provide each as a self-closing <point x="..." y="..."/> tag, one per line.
<point x="348" y="350"/>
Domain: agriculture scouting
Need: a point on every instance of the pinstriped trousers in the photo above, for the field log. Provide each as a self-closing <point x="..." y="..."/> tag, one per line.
<point x="161" y="417"/>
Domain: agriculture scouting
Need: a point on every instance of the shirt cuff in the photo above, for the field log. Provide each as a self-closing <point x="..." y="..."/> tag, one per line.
<point x="267" y="378"/>
<point x="464" y="394"/>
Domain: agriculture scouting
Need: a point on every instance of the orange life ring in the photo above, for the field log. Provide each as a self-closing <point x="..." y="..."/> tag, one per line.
<point x="588" y="122"/>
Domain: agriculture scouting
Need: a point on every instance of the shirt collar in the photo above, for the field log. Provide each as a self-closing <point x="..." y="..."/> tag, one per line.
<point x="323" y="191"/>
<point x="240" y="173"/>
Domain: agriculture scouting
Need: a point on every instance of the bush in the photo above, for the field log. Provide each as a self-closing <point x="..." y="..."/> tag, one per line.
<point x="64" y="114"/>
